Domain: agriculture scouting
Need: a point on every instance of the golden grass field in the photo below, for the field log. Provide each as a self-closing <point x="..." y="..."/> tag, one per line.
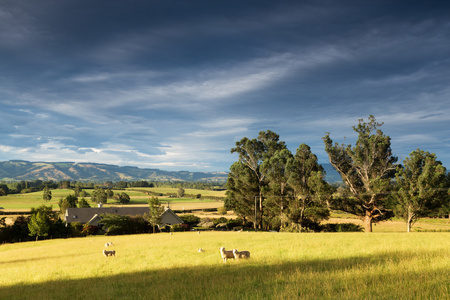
<point x="282" y="266"/>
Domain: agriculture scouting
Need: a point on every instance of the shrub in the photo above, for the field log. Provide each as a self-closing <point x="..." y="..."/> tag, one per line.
<point x="90" y="229"/>
<point x="342" y="227"/>
<point x="219" y="220"/>
<point x="232" y="223"/>
<point x="77" y="228"/>
<point x="180" y="227"/>
<point x="222" y="210"/>
<point x="190" y="219"/>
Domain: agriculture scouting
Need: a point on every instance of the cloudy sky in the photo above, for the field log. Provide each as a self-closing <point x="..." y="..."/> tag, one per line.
<point x="174" y="84"/>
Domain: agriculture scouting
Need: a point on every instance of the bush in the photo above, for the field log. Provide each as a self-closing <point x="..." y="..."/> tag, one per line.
<point x="342" y="227"/>
<point x="232" y="223"/>
<point x="190" y="219"/>
<point x="180" y="227"/>
<point x="77" y="228"/>
<point x="219" y="220"/>
<point x="222" y="210"/>
<point x="90" y="229"/>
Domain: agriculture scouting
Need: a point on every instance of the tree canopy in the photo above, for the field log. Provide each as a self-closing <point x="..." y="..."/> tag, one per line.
<point x="366" y="169"/>
<point x="421" y="185"/>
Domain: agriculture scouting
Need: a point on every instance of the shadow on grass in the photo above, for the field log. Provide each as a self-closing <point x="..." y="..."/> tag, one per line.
<point x="362" y="277"/>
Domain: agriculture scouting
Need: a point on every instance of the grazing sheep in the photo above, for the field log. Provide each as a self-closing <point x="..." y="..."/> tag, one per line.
<point x="109" y="253"/>
<point x="109" y="244"/>
<point x="226" y="254"/>
<point x="240" y="254"/>
<point x="200" y="250"/>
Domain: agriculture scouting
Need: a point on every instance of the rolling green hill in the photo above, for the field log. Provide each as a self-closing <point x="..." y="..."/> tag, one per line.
<point x="25" y="170"/>
<point x="16" y="170"/>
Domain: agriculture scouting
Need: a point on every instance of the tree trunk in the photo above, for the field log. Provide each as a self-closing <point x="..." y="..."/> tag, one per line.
<point x="409" y="220"/>
<point x="368" y="222"/>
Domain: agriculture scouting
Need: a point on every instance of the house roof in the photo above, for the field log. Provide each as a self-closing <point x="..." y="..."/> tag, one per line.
<point x="169" y="217"/>
<point x="92" y="215"/>
<point x="85" y="214"/>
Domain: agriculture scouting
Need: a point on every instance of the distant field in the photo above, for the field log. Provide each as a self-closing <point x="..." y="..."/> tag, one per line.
<point x="24" y="202"/>
<point x="204" y="193"/>
<point x="282" y="266"/>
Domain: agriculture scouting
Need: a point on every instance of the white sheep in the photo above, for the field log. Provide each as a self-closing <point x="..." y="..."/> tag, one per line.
<point x="226" y="254"/>
<point x="241" y="254"/>
<point x="109" y="244"/>
<point x="109" y="253"/>
<point x="200" y="250"/>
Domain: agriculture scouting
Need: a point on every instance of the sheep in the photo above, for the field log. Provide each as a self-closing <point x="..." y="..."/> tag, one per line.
<point x="240" y="254"/>
<point x="109" y="253"/>
<point x="109" y="244"/>
<point x="200" y="250"/>
<point x="226" y="254"/>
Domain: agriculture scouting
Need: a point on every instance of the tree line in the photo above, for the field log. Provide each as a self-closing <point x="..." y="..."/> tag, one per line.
<point x="18" y="187"/>
<point x="278" y="190"/>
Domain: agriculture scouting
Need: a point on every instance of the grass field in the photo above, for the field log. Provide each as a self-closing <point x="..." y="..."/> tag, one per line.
<point x="282" y="266"/>
<point x="23" y="202"/>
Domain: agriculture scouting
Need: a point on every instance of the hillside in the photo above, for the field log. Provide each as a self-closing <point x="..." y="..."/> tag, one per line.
<point x="14" y="170"/>
<point x="25" y="170"/>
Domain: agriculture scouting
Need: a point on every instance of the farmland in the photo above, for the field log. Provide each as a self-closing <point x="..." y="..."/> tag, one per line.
<point x="282" y="266"/>
<point x="140" y="196"/>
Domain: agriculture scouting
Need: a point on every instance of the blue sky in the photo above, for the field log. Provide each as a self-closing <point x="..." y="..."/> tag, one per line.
<point x="174" y="84"/>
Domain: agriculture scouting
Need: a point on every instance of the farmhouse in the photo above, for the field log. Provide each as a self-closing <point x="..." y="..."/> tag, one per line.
<point x="93" y="215"/>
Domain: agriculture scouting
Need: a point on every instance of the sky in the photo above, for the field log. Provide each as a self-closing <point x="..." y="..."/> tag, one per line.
<point x="173" y="85"/>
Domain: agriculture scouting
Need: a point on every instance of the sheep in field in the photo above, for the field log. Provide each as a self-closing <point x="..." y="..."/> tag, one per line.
<point x="200" y="250"/>
<point x="109" y="244"/>
<point x="109" y="253"/>
<point x="240" y="254"/>
<point x="226" y="254"/>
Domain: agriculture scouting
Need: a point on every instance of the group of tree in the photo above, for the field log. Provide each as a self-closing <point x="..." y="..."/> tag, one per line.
<point x="42" y="222"/>
<point x="278" y="190"/>
<point x="274" y="188"/>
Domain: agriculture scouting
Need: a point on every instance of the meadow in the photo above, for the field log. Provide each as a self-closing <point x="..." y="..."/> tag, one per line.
<point x="23" y="202"/>
<point x="282" y="266"/>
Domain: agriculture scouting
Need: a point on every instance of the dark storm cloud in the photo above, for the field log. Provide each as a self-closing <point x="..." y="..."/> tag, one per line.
<point x="173" y="84"/>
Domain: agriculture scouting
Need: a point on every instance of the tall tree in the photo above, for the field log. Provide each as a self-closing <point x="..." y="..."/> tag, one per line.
<point x="253" y="152"/>
<point x="38" y="225"/>
<point x="123" y="198"/>
<point x="366" y="169"/>
<point x="307" y="179"/>
<point x="154" y="215"/>
<point x="421" y="186"/>
<point x="242" y="190"/>
<point x="277" y="191"/>
<point x="47" y="194"/>
<point x="99" y="196"/>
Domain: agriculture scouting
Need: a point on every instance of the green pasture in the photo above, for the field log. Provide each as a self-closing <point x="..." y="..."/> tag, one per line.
<point x="282" y="266"/>
<point x="204" y="193"/>
<point x="29" y="200"/>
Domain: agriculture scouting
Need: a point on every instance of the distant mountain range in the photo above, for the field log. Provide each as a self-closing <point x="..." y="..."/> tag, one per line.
<point x="14" y="170"/>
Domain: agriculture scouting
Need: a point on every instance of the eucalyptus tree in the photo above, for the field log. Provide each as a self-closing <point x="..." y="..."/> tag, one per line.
<point x="253" y="152"/>
<point x="277" y="191"/>
<point x="366" y="169"/>
<point x="242" y="188"/>
<point x="421" y="183"/>
<point x="306" y="177"/>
